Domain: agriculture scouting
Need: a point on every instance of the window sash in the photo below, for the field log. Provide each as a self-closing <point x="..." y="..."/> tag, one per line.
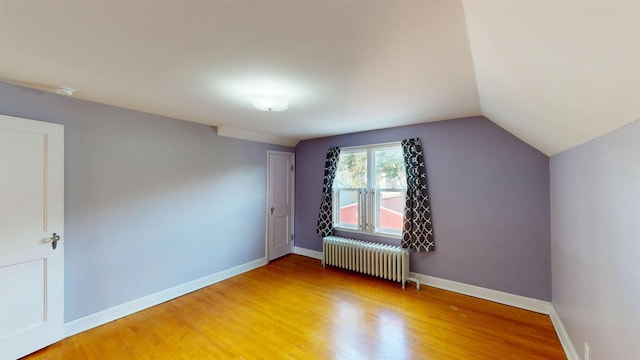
<point x="366" y="213"/>
<point x="381" y="221"/>
<point x="338" y="202"/>
<point x="368" y="210"/>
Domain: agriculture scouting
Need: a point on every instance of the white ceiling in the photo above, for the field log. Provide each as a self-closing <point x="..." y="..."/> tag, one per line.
<point x="555" y="74"/>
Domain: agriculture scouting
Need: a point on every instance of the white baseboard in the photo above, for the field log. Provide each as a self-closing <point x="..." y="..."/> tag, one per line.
<point x="567" y="345"/>
<point x="518" y="301"/>
<point x="119" y="311"/>
<point x="306" y="252"/>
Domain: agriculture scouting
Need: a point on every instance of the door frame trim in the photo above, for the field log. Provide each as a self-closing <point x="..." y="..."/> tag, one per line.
<point x="267" y="198"/>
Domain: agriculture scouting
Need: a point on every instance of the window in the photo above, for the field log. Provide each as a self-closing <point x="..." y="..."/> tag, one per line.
<point x="369" y="189"/>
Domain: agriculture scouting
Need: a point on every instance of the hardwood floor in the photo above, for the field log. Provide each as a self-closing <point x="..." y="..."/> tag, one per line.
<point x="295" y="309"/>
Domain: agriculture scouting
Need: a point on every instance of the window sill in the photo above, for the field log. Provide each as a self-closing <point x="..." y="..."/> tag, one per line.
<point x="353" y="231"/>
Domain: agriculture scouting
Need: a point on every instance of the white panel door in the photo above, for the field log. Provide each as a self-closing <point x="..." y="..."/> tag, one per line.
<point x="280" y="182"/>
<point x="31" y="211"/>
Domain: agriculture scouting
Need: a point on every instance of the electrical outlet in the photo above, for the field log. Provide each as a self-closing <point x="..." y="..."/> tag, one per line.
<point x="587" y="351"/>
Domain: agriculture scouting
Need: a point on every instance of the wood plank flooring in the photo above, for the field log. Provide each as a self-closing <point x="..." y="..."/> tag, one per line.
<point x="295" y="309"/>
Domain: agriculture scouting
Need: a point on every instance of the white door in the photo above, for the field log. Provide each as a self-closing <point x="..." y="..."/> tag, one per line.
<point x="31" y="210"/>
<point x="280" y="182"/>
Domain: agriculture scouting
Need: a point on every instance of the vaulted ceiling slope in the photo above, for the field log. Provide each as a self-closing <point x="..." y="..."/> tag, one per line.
<point x="554" y="74"/>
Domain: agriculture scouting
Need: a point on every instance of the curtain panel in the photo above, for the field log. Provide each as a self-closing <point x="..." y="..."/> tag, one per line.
<point x="325" y="219"/>
<point x="417" y="231"/>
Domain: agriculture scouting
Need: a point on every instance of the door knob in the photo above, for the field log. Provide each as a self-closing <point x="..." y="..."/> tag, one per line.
<point x="54" y="240"/>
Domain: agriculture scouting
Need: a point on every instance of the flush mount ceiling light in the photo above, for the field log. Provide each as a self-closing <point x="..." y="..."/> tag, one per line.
<point x="270" y="103"/>
<point x="63" y="90"/>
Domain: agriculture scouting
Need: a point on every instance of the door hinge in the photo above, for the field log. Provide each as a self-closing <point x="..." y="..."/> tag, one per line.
<point x="291" y="167"/>
<point x="291" y="237"/>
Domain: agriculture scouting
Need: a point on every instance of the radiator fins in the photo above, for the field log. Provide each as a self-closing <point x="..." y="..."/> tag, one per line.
<point x="380" y="260"/>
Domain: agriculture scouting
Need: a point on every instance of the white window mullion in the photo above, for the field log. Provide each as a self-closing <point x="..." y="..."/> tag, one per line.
<point x="335" y="205"/>
<point x="371" y="183"/>
<point x="372" y="210"/>
<point x="376" y="208"/>
<point x="362" y="221"/>
<point x="371" y="169"/>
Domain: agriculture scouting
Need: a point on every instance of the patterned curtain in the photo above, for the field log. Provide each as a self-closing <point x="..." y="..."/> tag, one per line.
<point x="325" y="219"/>
<point x="417" y="232"/>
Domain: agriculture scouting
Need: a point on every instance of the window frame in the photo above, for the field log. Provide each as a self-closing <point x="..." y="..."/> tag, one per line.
<point x="367" y="196"/>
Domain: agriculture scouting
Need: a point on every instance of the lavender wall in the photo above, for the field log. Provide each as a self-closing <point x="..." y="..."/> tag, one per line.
<point x="489" y="197"/>
<point x="150" y="202"/>
<point x="595" y="243"/>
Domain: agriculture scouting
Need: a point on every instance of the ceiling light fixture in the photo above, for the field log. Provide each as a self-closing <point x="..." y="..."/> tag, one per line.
<point x="63" y="90"/>
<point x="270" y="103"/>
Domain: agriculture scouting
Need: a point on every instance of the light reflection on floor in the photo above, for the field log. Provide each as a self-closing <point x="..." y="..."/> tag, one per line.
<point x="350" y="342"/>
